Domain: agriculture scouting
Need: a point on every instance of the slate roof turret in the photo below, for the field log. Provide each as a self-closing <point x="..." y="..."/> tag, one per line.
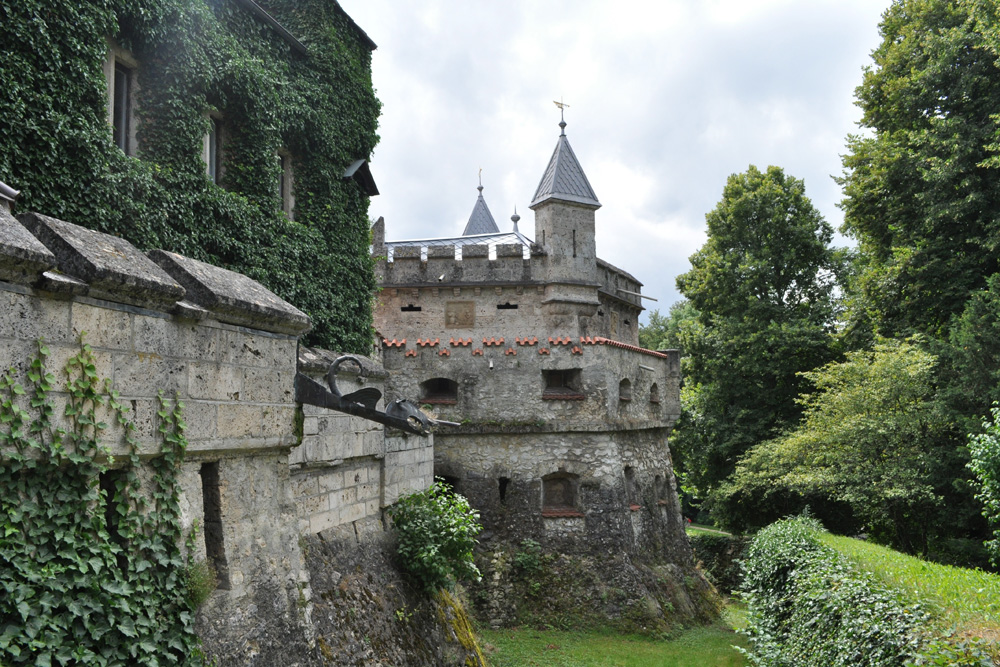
<point x="481" y="221"/>
<point x="564" y="178"/>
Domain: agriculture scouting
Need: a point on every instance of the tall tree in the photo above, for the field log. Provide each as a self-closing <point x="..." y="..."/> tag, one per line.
<point x="763" y="288"/>
<point x="922" y="195"/>
<point x="668" y="332"/>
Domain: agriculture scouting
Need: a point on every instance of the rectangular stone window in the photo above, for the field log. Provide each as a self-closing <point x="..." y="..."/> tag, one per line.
<point x="562" y="384"/>
<point x="215" y="547"/>
<point x="559" y="496"/>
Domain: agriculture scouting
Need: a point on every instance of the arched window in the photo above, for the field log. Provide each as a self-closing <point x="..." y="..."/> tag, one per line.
<point x="439" y="391"/>
<point x="654" y="393"/>
<point x="625" y="390"/>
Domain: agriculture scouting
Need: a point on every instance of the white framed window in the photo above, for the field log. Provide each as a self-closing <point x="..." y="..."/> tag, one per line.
<point x="211" y="152"/>
<point x="120" y="69"/>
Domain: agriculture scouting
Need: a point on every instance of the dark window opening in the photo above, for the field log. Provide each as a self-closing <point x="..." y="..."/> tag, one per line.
<point x="654" y="393"/>
<point x="285" y="184"/>
<point x="574" y="243"/>
<point x="450" y="483"/>
<point x="411" y="308"/>
<point x="627" y="323"/>
<point x="502" y="483"/>
<point x="439" y="391"/>
<point x="625" y="390"/>
<point x="121" y="113"/>
<point x="559" y="495"/>
<point x="562" y="384"/>
<point x="112" y="484"/>
<point x="631" y="490"/>
<point x="507" y="306"/>
<point x="215" y="548"/>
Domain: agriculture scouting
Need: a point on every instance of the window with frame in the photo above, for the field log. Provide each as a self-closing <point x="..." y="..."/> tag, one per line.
<point x="285" y="182"/>
<point x="212" y="149"/>
<point x="559" y="495"/>
<point x="120" y="70"/>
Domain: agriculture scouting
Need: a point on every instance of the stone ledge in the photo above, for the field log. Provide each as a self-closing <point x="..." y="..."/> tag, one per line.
<point x="112" y="267"/>
<point x="24" y="256"/>
<point x="232" y="297"/>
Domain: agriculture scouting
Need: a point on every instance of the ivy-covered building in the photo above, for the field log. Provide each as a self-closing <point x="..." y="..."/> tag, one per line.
<point x="230" y="131"/>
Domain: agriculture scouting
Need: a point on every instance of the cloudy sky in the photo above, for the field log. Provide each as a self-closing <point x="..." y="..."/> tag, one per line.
<point x="666" y="98"/>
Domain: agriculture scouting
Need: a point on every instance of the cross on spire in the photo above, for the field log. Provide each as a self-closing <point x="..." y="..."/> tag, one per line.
<point x="562" y="118"/>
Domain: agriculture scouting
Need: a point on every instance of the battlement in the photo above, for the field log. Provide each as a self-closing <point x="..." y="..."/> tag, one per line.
<point x="475" y="263"/>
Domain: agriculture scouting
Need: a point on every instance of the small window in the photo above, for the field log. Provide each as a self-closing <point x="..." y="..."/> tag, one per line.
<point x="120" y="70"/>
<point x="212" y="149"/>
<point x="631" y="489"/>
<point x="502" y="484"/>
<point x="559" y="495"/>
<point x="285" y="181"/>
<point x="440" y="391"/>
<point x="411" y="309"/>
<point x="507" y="306"/>
<point x="625" y="390"/>
<point x="654" y="393"/>
<point x="562" y="384"/>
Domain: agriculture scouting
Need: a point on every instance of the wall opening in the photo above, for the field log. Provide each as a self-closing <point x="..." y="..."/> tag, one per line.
<point x="507" y="306"/>
<point x="410" y="308"/>
<point x="440" y="391"/>
<point x="215" y="548"/>
<point x="631" y="490"/>
<point x="625" y="390"/>
<point x="654" y="393"/>
<point x="562" y="383"/>
<point x="112" y="484"/>
<point x="213" y="149"/>
<point x="285" y="183"/>
<point x="121" y="109"/>
<point x="574" y="243"/>
<point x="559" y="495"/>
<point x="502" y="483"/>
<point x="449" y="482"/>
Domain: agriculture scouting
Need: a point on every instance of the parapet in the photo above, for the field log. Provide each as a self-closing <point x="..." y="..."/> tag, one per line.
<point x="60" y="257"/>
<point x="416" y="264"/>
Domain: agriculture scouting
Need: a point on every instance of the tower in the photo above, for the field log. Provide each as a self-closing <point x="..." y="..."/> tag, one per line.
<point x="564" y="206"/>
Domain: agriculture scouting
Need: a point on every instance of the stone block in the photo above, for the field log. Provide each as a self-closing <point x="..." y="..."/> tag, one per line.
<point x="304" y="485"/>
<point x="331" y="480"/>
<point x="215" y="382"/>
<point x="267" y="385"/>
<point x="22" y="257"/>
<point x="238" y="421"/>
<point x="104" y="327"/>
<point x="156" y="335"/>
<point x="323" y="520"/>
<point x="245" y="349"/>
<point x="277" y="421"/>
<point x="113" y="267"/>
<point x="353" y="512"/>
<point x="201" y="419"/>
<point x="310" y="426"/>
<point x="232" y="297"/>
<point x="197" y="342"/>
<point x="26" y="317"/>
<point x="144" y="374"/>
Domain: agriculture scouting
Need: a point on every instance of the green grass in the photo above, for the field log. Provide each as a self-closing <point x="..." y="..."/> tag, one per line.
<point x="709" y="646"/>
<point x="696" y="529"/>
<point x="967" y="601"/>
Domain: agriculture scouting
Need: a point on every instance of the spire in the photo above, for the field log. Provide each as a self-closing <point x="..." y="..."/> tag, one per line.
<point x="481" y="221"/>
<point x="515" y="218"/>
<point x="564" y="178"/>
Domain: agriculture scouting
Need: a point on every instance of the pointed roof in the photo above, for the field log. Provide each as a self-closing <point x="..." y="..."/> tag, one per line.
<point x="481" y="221"/>
<point x="564" y="178"/>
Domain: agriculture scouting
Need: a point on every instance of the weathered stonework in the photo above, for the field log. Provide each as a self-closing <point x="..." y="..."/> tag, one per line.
<point x="263" y="474"/>
<point x="564" y="419"/>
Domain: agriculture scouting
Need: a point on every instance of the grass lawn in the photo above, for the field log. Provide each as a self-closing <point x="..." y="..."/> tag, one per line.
<point x="710" y="646"/>
<point x="696" y="529"/>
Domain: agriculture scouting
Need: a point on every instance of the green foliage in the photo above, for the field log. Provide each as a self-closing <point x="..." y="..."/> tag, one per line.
<point x="201" y="581"/>
<point x="866" y="440"/>
<point x="198" y="56"/>
<point x="762" y="288"/>
<point x="437" y="531"/>
<point x="810" y="603"/>
<point x="92" y="575"/>
<point x="718" y="555"/>
<point x="921" y="185"/>
<point x="985" y="463"/>
<point x="528" y="559"/>
<point x="670" y="332"/>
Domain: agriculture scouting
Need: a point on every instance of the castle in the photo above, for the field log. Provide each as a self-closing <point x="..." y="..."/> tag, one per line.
<point x="532" y="347"/>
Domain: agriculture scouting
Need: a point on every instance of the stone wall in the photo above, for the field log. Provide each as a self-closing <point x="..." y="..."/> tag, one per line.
<point x="263" y="475"/>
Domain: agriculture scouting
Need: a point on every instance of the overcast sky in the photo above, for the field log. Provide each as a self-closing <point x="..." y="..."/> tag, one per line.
<point x="666" y="98"/>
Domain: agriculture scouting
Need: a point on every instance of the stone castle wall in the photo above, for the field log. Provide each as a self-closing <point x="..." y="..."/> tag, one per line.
<point x="261" y="472"/>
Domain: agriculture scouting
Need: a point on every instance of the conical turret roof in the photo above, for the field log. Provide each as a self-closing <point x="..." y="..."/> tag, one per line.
<point x="481" y="221"/>
<point x="564" y="178"/>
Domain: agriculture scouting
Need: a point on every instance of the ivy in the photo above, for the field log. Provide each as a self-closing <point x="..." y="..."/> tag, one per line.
<point x="94" y="573"/>
<point x="196" y="57"/>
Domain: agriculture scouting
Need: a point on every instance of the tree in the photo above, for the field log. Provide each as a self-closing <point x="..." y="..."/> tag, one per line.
<point x="867" y="440"/>
<point x="762" y="286"/>
<point x="669" y="332"/>
<point x="985" y="463"/>
<point x="922" y="193"/>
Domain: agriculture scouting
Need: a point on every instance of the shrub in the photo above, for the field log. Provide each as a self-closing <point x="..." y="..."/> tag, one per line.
<point x="719" y="557"/>
<point x="984" y="449"/>
<point x="437" y="531"/>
